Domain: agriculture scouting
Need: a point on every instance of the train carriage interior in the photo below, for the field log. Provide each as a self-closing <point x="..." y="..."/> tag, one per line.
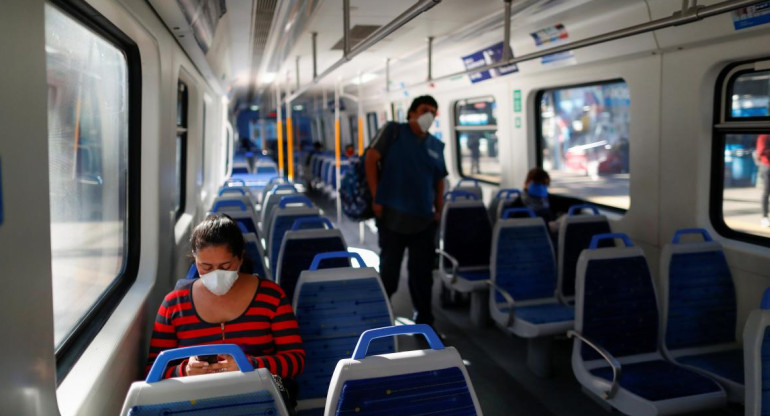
<point x="638" y="283"/>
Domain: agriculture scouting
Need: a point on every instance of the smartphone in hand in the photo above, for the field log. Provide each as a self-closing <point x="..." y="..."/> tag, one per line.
<point x="211" y="359"/>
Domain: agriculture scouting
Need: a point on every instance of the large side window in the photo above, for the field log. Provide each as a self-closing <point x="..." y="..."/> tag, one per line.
<point x="583" y="142"/>
<point x="91" y="196"/>
<point x="476" y="138"/>
<point x="740" y="172"/>
<point x="180" y="193"/>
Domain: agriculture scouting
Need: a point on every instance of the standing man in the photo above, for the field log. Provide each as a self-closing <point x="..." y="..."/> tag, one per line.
<point x="763" y="161"/>
<point x="405" y="171"/>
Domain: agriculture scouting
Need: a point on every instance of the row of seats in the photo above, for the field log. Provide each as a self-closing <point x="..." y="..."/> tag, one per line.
<point x="322" y="173"/>
<point x="340" y="312"/>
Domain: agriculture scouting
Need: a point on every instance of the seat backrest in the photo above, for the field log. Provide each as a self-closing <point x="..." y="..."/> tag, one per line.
<point x="272" y="199"/>
<point x="575" y="234"/>
<point x="503" y="199"/>
<point x="697" y="293"/>
<point x="471" y="186"/>
<point x="465" y="231"/>
<point x="756" y="359"/>
<point x="256" y="254"/>
<point x="615" y="302"/>
<point x="333" y="308"/>
<point x="250" y="391"/>
<point x="432" y="381"/>
<point x="246" y="220"/>
<point x="299" y="248"/>
<point x="282" y="220"/>
<point x="522" y="259"/>
<point x="232" y="202"/>
<point x="238" y="190"/>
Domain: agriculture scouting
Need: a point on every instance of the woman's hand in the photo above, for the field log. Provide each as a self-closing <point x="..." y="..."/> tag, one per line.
<point x="195" y="367"/>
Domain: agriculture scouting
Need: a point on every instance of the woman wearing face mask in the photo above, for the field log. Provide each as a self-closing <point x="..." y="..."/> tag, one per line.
<point x="227" y="306"/>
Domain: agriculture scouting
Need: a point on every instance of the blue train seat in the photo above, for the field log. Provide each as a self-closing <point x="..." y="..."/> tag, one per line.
<point x="241" y="169"/>
<point x="423" y="382"/>
<point x="334" y="306"/>
<point x="272" y="199"/>
<point x="290" y="209"/>
<point x="756" y="355"/>
<point x="300" y="246"/>
<point x="616" y="354"/>
<point x="232" y="202"/>
<point x="247" y="220"/>
<point x="256" y="254"/>
<point x="249" y="391"/>
<point x="523" y="279"/>
<point x="700" y="310"/>
<point x="575" y="234"/>
<point x="503" y="199"/>
<point x="238" y="190"/>
<point x="465" y="237"/>
<point x="471" y="186"/>
<point x="272" y="183"/>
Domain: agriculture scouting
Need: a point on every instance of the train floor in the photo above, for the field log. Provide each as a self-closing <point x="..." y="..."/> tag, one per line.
<point x="496" y="361"/>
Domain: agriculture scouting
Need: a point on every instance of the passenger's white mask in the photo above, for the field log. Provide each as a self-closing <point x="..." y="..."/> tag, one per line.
<point x="425" y="121"/>
<point x="219" y="281"/>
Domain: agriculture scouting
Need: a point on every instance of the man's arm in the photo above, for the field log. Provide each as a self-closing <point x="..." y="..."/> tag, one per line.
<point x="373" y="157"/>
<point x="439" y="202"/>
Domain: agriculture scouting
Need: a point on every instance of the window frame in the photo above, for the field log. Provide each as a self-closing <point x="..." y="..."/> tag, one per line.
<point x="85" y="330"/>
<point x="481" y="178"/>
<point x="181" y="140"/>
<point x="572" y="199"/>
<point x="724" y="124"/>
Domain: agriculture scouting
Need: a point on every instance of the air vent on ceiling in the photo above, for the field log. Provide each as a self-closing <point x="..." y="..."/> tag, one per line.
<point x="357" y="34"/>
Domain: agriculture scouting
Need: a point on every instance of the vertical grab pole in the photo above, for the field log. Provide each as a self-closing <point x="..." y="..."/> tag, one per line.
<point x="361" y="233"/>
<point x="279" y="127"/>
<point x="337" y="148"/>
<point x="289" y="141"/>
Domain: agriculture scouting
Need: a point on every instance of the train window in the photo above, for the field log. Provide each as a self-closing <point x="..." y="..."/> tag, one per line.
<point x="371" y="123"/>
<point x="476" y="138"/>
<point x="180" y="193"/>
<point x="740" y="178"/>
<point x="88" y="130"/>
<point x="583" y="142"/>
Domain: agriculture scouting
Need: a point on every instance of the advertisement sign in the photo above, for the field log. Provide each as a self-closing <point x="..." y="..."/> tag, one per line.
<point x="484" y="57"/>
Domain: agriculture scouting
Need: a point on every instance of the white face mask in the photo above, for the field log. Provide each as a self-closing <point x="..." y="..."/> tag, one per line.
<point x="425" y="121"/>
<point x="219" y="281"/>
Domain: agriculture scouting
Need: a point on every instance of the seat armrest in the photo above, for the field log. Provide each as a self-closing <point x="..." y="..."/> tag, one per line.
<point x="508" y="300"/>
<point x="455" y="264"/>
<point x="614" y="363"/>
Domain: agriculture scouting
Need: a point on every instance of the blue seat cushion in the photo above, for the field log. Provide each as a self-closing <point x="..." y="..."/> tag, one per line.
<point x="436" y="393"/>
<point x="727" y="364"/>
<point x="659" y="380"/>
<point x="474" y="275"/>
<point x="545" y="313"/>
<point x="318" y="411"/>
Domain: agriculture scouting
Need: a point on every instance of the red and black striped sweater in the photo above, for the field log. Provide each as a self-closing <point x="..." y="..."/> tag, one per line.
<point x="267" y="331"/>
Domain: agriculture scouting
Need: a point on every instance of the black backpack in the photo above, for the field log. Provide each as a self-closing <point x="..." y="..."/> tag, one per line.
<point x="354" y="191"/>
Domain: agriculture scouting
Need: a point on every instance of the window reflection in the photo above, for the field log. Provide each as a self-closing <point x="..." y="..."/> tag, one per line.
<point x="476" y="132"/>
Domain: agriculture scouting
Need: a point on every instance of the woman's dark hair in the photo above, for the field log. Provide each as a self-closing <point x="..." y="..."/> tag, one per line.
<point x="218" y="230"/>
<point x="538" y="175"/>
<point x="423" y="99"/>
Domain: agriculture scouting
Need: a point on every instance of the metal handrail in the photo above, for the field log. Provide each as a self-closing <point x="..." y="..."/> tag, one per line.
<point x="455" y="264"/>
<point x="508" y="300"/>
<point x="614" y="363"/>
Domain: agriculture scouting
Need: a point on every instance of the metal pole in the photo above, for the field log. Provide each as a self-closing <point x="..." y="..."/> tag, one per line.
<point x="675" y="20"/>
<point x="337" y="149"/>
<point x="385" y="30"/>
<point x="315" y="55"/>
<point x="361" y="231"/>
<point x="430" y="58"/>
<point x="346" y="27"/>
<point x="289" y="141"/>
<point x="507" y="32"/>
<point x="296" y="72"/>
<point x="387" y="75"/>
<point x="279" y="127"/>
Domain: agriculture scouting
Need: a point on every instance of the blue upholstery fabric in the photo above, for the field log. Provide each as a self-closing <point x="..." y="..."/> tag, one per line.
<point x="249" y="224"/>
<point x="577" y="237"/>
<point x="525" y="266"/>
<point x="258" y="403"/>
<point x="659" y="380"/>
<point x="727" y="364"/>
<point x="281" y="225"/>
<point x="435" y="393"/>
<point x="252" y="252"/>
<point x="474" y="275"/>
<point x="701" y="300"/>
<point x="298" y="255"/>
<point x="468" y="236"/>
<point x="620" y="312"/>
<point x="545" y="313"/>
<point x="766" y="373"/>
<point x="331" y="317"/>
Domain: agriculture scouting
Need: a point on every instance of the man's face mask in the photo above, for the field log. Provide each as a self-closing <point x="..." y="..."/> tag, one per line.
<point x="538" y="190"/>
<point x="425" y="121"/>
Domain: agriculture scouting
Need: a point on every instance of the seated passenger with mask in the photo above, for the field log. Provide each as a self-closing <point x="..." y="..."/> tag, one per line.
<point x="535" y="195"/>
<point x="230" y="307"/>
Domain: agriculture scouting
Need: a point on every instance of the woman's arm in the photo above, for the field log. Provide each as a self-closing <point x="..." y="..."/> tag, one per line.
<point x="164" y="338"/>
<point x="289" y="359"/>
